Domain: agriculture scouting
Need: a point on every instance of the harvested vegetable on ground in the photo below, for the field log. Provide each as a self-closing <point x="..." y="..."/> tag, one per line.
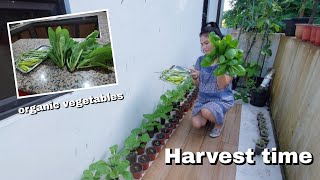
<point x="227" y="55"/>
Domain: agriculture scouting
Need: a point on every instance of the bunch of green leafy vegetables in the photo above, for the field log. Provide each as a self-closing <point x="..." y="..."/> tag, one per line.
<point x="227" y="55"/>
<point x="77" y="55"/>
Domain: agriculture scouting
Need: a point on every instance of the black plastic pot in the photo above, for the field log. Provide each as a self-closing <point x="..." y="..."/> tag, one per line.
<point x="132" y="157"/>
<point x="291" y="25"/>
<point x="258" y="98"/>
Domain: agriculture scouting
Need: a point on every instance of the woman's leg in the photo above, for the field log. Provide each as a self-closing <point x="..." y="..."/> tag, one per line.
<point x="206" y="113"/>
<point x="198" y="121"/>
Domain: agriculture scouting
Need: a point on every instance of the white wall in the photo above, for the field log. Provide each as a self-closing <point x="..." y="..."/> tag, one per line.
<point x="148" y="36"/>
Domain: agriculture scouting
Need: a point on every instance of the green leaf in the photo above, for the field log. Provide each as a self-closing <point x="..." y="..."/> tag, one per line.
<point x="127" y="175"/>
<point x="222" y="59"/>
<point x="228" y="38"/>
<point x="233" y="43"/>
<point x="113" y="149"/>
<point x="239" y="70"/>
<point x="232" y="62"/>
<point x="145" y="137"/>
<point x="231" y="53"/>
<point x="213" y="52"/>
<point x="207" y="61"/>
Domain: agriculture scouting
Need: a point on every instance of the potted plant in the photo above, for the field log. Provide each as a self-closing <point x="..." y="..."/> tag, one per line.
<point x="174" y="122"/>
<point x="260" y="145"/>
<point x="135" y="142"/>
<point x="169" y="126"/>
<point x="144" y="160"/>
<point x="166" y="131"/>
<point x="151" y="152"/>
<point x="152" y="124"/>
<point x="266" y="140"/>
<point x="157" y="144"/>
<point x="136" y="169"/>
<point x="96" y="170"/>
<point x="161" y="137"/>
<point x="118" y="165"/>
<point x="262" y="125"/>
<point x="264" y="133"/>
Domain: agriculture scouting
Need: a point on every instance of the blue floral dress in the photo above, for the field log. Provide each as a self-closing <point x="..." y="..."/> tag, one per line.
<point x="218" y="102"/>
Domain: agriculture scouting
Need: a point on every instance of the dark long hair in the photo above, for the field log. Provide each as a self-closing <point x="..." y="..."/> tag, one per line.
<point x="211" y="27"/>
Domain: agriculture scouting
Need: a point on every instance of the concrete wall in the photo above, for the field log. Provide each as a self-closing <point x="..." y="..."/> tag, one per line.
<point x="295" y="103"/>
<point x="148" y="37"/>
<point x="245" y="41"/>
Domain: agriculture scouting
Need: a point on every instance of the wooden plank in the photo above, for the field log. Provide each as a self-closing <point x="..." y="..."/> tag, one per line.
<point x="86" y="29"/>
<point x="234" y="134"/>
<point x="159" y="169"/>
<point x="189" y="139"/>
<point x="42" y="32"/>
<point x="226" y="172"/>
<point x="295" y="102"/>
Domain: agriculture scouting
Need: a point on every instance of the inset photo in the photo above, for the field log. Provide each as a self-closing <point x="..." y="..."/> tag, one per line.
<point x="62" y="53"/>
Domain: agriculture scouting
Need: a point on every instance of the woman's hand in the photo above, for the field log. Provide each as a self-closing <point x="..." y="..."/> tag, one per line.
<point x="195" y="74"/>
<point x="223" y="81"/>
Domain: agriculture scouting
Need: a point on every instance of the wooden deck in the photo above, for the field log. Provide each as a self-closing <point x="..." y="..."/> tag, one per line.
<point x="190" y="139"/>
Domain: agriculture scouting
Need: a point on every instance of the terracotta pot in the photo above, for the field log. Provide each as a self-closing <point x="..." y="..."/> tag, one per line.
<point x="151" y="152"/>
<point x="313" y="33"/>
<point x="306" y="32"/>
<point x="156" y="145"/>
<point x="299" y="29"/>
<point x="144" y="160"/>
<point x="140" y="150"/>
<point x="317" y="40"/>
<point x="161" y="137"/>
<point x="166" y="131"/>
<point x="136" y="169"/>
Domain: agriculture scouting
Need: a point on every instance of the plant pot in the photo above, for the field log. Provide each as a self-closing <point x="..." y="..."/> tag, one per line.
<point x="178" y="115"/>
<point x="162" y="121"/>
<point x="313" y="33"/>
<point x="290" y="25"/>
<point x="169" y="126"/>
<point x="174" y="123"/>
<point x="155" y="129"/>
<point x="259" y="149"/>
<point x="266" y="140"/>
<point x="168" y="113"/>
<point x="166" y="131"/>
<point x="306" y="32"/>
<point x="262" y="125"/>
<point x="151" y="152"/>
<point x="264" y="133"/>
<point x="317" y="40"/>
<point x="136" y="169"/>
<point x="141" y="148"/>
<point x="132" y="157"/>
<point x="161" y="137"/>
<point x="144" y="160"/>
<point x="151" y="133"/>
<point x="299" y="30"/>
<point x="258" y="98"/>
<point x="157" y="144"/>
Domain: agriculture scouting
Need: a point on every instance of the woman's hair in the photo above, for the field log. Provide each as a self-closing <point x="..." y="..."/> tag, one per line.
<point x="211" y="27"/>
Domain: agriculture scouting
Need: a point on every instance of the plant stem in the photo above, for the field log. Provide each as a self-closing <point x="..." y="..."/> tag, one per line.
<point x="314" y="11"/>
<point x="251" y="45"/>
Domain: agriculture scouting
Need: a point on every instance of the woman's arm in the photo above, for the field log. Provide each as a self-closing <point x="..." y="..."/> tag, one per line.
<point x="195" y="76"/>
<point x="223" y="81"/>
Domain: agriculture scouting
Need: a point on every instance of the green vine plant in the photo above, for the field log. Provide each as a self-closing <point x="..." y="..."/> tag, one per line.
<point x="226" y="54"/>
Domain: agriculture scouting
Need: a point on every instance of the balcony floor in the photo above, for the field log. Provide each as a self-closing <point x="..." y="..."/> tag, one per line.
<point x="239" y="134"/>
<point x="190" y="139"/>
